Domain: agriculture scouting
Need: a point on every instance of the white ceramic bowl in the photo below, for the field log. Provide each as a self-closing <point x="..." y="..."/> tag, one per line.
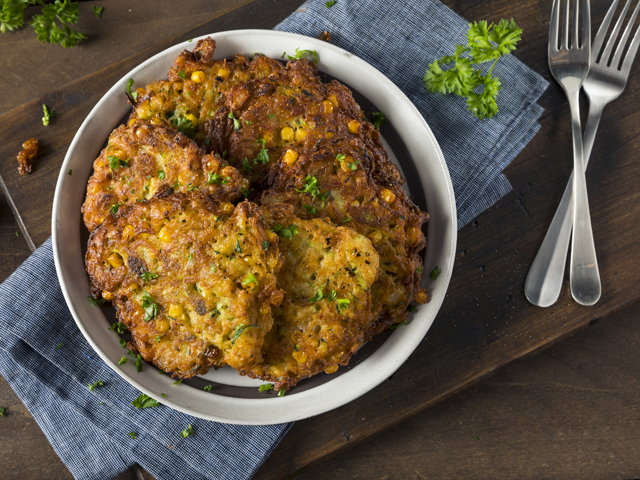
<point x="234" y="398"/>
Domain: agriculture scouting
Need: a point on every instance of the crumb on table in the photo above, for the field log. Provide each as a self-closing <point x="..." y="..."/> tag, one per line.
<point x="29" y="150"/>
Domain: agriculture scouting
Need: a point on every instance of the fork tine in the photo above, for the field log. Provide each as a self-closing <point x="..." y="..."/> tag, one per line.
<point x="623" y="40"/>
<point x="554" y="25"/>
<point x="565" y="33"/>
<point x="631" y="53"/>
<point x="602" y="31"/>
<point x="576" y="23"/>
<point x="586" y="25"/>
<point x="606" y="54"/>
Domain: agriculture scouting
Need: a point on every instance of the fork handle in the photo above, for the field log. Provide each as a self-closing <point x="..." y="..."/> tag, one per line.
<point x="544" y="280"/>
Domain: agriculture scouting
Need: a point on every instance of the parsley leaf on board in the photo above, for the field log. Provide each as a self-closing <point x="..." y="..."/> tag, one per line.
<point x="97" y="11"/>
<point x="46" y="25"/>
<point x="47" y="115"/>
<point x="3" y="412"/>
<point x="485" y="43"/>
<point x="145" y="401"/>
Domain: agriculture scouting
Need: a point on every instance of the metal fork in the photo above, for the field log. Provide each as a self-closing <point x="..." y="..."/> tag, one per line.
<point x="605" y="82"/>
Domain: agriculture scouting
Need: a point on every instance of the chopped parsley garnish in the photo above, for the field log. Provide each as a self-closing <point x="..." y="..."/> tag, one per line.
<point x="3" y="412"/>
<point x="330" y="4"/>
<point x="301" y="54"/>
<point x="217" y="179"/>
<point x="158" y="339"/>
<point x="246" y="165"/>
<point x="47" y="115"/>
<point x="123" y="343"/>
<point x="95" y="301"/>
<point x="93" y="386"/>
<point x="311" y="209"/>
<point x="393" y="327"/>
<point x="311" y="186"/>
<point x="70" y="172"/>
<point x="281" y="392"/>
<point x="378" y="119"/>
<point x="238" y="331"/>
<point x="353" y="165"/>
<point x="248" y="122"/>
<point x="97" y="10"/>
<point x="114" y="208"/>
<point x="118" y="327"/>
<point x="133" y="95"/>
<point x="412" y="308"/>
<point x="184" y="125"/>
<point x="116" y="162"/>
<point x="238" y="246"/>
<point x="150" y="307"/>
<point x="236" y="122"/>
<point x="191" y="188"/>
<point x="139" y="363"/>
<point x="145" y="401"/>
<point x="265" y="245"/>
<point x="435" y="272"/>
<point x="59" y="345"/>
<point x="162" y="394"/>
<point x="66" y="12"/>
<point x="208" y="388"/>
<point x="246" y="191"/>
<point x="318" y="296"/>
<point x="342" y="303"/>
<point x="250" y="279"/>
<point x="340" y="157"/>
<point x="263" y="154"/>
<point x="132" y="435"/>
<point x="178" y="382"/>
<point x="182" y="75"/>
<point x="288" y="232"/>
<point x="271" y="115"/>
<point x="187" y="431"/>
<point x="148" y="276"/>
<point x="123" y="360"/>
<point x="161" y="174"/>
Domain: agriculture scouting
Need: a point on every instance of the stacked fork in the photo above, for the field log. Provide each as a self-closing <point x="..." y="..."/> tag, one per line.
<point x="607" y="77"/>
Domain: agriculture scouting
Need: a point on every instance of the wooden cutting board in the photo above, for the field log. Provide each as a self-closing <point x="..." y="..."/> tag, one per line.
<point x="485" y="322"/>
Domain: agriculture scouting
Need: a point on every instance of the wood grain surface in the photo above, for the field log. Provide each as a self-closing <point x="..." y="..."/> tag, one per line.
<point x="485" y="322"/>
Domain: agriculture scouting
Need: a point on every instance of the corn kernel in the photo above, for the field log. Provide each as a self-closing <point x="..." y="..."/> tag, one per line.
<point x="353" y="126"/>
<point x="271" y="236"/>
<point x="375" y="237"/>
<point x="192" y="118"/>
<point x="197" y="76"/>
<point x="286" y="134"/>
<point x="115" y="260"/>
<point x="264" y="310"/>
<point x="329" y="135"/>
<point x="290" y="157"/>
<point x="127" y="233"/>
<point x="420" y="297"/>
<point x="145" y="225"/>
<point x="333" y="100"/>
<point x="227" y="208"/>
<point x="175" y="310"/>
<point x="223" y="73"/>
<point x="327" y="107"/>
<point x="116" y="152"/>
<point x="268" y="138"/>
<point x="132" y="287"/>
<point x="178" y="86"/>
<point x="107" y="295"/>
<point x="300" y="357"/>
<point x="156" y="120"/>
<point x="331" y="369"/>
<point x="162" y="325"/>
<point x="387" y="195"/>
<point x="141" y="91"/>
<point x="413" y="235"/>
<point x="300" y="134"/>
<point x="164" y="234"/>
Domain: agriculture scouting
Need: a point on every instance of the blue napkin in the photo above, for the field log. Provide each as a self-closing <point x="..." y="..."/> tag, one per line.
<point x="90" y="430"/>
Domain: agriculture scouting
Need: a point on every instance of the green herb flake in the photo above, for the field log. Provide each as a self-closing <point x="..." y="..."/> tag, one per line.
<point x="163" y="395"/>
<point x="217" y="179"/>
<point x="271" y="115"/>
<point x="132" y="435"/>
<point x="123" y="360"/>
<point x="59" y="345"/>
<point x="161" y="174"/>
<point x="302" y="54"/>
<point x="133" y="95"/>
<point x="266" y="387"/>
<point x="95" y="301"/>
<point x="118" y="327"/>
<point x="150" y="307"/>
<point x="330" y="4"/>
<point x="97" y="11"/>
<point x="208" y="388"/>
<point x="139" y="363"/>
<point x="265" y="245"/>
<point x="70" y="172"/>
<point x="377" y="119"/>
<point x="178" y="382"/>
<point x="311" y="209"/>
<point x="3" y="412"/>
<point x="397" y="325"/>
<point x="148" y="276"/>
<point x="249" y="280"/>
<point x="47" y="115"/>
<point x="246" y="165"/>
<point x="263" y="154"/>
<point x="282" y="392"/>
<point x="184" y="125"/>
<point x="187" y="432"/>
<point x="340" y="157"/>
<point x="123" y="343"/>
<point x="318" y="296"/>
<point x="236" y="123"/>
<point x="435" y="273"/>
<point x="145" y="401"/>
<point x="92" y="386"/>
<point x="182" y="74"/>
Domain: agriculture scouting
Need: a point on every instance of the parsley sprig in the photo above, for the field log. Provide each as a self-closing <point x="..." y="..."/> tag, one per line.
<point x="301" y="54"/>
<point x="46" y="25"/>
<point x="145" y="401"/>
<point x="485" y="43"/>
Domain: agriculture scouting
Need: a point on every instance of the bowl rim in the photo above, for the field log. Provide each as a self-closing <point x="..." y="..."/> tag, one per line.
<point x="393" y="352"/>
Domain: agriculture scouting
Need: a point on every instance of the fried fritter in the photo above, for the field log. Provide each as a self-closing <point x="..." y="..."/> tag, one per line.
<point x="192" y="279"/>
<point x="327" y="276"/>
<point x="144" y="160"/>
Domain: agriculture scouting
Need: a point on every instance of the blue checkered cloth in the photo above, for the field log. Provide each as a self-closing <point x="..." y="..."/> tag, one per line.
<point x="90" y="430"/>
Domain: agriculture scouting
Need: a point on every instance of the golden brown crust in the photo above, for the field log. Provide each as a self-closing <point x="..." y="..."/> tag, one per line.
<point x="209" y="273"/>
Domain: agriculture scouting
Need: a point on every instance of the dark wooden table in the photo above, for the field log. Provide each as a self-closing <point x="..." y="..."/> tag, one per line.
<point x="570" y="411"/>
